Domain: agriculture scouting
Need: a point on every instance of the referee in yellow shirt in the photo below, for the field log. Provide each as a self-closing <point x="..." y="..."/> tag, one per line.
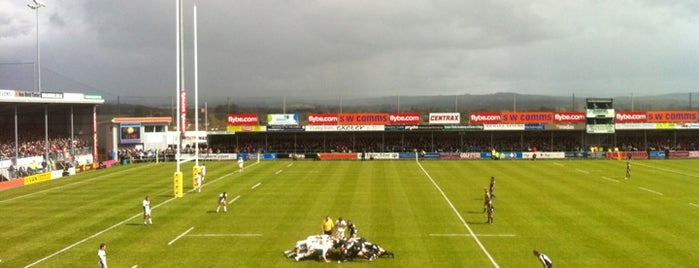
<point x="327" y="226"/>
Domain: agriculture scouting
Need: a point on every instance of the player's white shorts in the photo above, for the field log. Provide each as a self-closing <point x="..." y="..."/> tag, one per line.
<point x="146" y="211"/>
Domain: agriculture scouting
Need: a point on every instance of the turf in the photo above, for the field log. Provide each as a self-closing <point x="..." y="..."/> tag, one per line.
<point x="580" y="213"/>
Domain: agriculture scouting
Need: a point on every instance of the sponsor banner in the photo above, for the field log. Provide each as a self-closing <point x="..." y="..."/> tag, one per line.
<point x="270" y="156"/>
<point x="338" y="156"/>
<point x="470" y="155"/>
<point x="364" y="119"/>
<point x="534" y="127"/>
<point x="665" y="126"/>
<point x="93" y="96"/>
<point x="245" y="156"/>
<point x="657" y="154"/>
<point x="246" y="128"/>
<point x="445" y="118"/>
<point x="74" y="96"/>
<point x="463" y="127"/>
<point x="431" y="155"/>
<point x="694" y="154"/>
<point x="544" y="155"/>
<point x="404" y="118"/>
<point x="37" y="178"/>
<point x="394" y="127"/>
<point x="599" y="129"/>
<point x="8" y="94"/>
<point x="288" y="128"/>
<point x="11" y="184"/>
<point x="507" y="127"/>
<point x="345" y="128"/>
<point x="485" y="118"/>
<point x="243" y="120"/>
<point x="424" y="127"/>
<point x="599" y="113"/>
<point x="566" y="126"/>
<point x="449" y="156"/>
<point x="689" y="125"/>
<point x="130" y="132"/>
<point x="381" y="156"/>
<point x="57" y="174"/>
<point x="282" y="119"/>
<point x="406" y="155"/>
<point x="679" y="154"/>
<point x="635" y="126"/>
<point x="323" y="119"/>
<point x="630" y="117"/>
<point x="568" y="117"/>
<point x="51" y="95"/>
<point x="527" y="117"/>
<point x="673" y="116"/>
<point x="207" y="156"/>
<point x="28" y="94"/>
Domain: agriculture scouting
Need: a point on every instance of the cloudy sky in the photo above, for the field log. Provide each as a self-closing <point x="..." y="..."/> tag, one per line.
<point x="331" y="48"/>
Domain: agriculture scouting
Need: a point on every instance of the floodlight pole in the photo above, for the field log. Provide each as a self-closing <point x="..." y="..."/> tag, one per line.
<point x="178" y="87"/>
<point x="37" y="72"/>
<point x="196" y="93"/>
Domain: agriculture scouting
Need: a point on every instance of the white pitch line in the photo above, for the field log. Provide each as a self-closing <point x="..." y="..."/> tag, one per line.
<point x="649" y="190"/>
<point x="278" y="171"/>
<point x="505" y="235"/>
<point x="255" y="186"/>
<point x="181" y="235"/>
<point x="609" y="179"/>
<point x="236" y="198"/>
<point x="475" y="238"/>
<point x="135" y="266"/>
<point x="290" y="164"/>
<point x="224" y="235"/>
<point x="694" y="205"/>
<point x="558" y="164"/>
<point x="96" y="234"/>
<point x="583" y="171"/>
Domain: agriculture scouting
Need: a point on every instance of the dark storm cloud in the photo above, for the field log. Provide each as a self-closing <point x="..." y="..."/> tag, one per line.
<point x="361" y="48"/>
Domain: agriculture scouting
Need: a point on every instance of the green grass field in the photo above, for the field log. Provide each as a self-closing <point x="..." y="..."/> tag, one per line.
<point x="580" y="213"/>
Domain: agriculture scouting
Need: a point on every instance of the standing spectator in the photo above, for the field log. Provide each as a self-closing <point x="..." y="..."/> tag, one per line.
<point x="102" y="256"/>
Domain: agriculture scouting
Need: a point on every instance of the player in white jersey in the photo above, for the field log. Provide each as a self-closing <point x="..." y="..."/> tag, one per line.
<point x="545" y="261"/>
<point x="222" y="202"/>
<point x="199" y="181"/>
<point x="102" y="256"/>
<point x="147" y="218"/>
<point x="240" y="164"/>
<point x="340" y="226"/>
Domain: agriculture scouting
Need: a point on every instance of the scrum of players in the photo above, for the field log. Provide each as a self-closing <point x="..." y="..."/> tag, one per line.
<point x="338" y="245"/>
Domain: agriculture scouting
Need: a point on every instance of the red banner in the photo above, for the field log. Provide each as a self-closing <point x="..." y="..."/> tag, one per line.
<point x="673" y="116"/>
<point x="404" y="118"/>
<point x="322" y="119"/>
<point x="568" y="117"/>
<point x="527" y="118"/>
<point x="485" y="118"/>
<point x="364" y="119"/>
<point x="183" y="111"/>
<point x="243" y="120"/>
<point x="631" y="117"/>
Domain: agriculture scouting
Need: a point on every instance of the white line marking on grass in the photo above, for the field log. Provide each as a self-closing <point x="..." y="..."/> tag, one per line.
<point x="255" y="186"/>
<point x="475" y="238"/>
<point x="649" y="190"/>
<point x="96" y="234"/>
<point x="224" y="235"/>
<point x="181" y="235"/>
<point x="558" y="164"/>
<point x="609" y="179"/>
<point x="668" y="170"/>
<point x="582" y="171"/>
<point x="278" y="171"/>
<point x="290" y="164"/>
<point x="236" y="198"/>
<point x="694" y="205"/>
<point x="71" y="184"/>
<point x="505" y="235"/>
<point x="135" y="266"/>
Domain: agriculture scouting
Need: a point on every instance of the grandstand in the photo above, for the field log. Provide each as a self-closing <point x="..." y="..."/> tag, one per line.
<point x="46" y="131"/>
